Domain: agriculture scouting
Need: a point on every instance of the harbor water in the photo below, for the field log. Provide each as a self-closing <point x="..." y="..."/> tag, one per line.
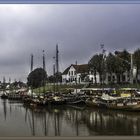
<point x="16" y="119"/>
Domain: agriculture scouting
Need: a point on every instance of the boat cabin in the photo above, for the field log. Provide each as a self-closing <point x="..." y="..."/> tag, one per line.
<point x="98" y="91"/>
<point x="127" y="92"/>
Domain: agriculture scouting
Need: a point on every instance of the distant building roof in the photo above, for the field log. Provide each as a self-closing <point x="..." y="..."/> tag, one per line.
<point x="84" y="68"/>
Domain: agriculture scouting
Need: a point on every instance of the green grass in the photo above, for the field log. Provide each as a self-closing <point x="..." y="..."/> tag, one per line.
<point x="61" y="88"/>
<point x="117" y="86"/>
<point x="66" y="88"/>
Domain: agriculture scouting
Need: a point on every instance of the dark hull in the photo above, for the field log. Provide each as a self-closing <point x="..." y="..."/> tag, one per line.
<point x="95" y="104"/>
<point x="14" y="97"/>
<point x="125" y="107"/>
<point x="76" y="102"/>
<point x="4" y="96"/>
<point x="56" y="102"/>
<point x="133" y="107"/>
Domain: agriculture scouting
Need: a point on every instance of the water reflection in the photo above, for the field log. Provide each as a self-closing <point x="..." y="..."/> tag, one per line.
<point x="4" y="108"/>
<point x="107" y="122"/>
<point x="20" y="120"/>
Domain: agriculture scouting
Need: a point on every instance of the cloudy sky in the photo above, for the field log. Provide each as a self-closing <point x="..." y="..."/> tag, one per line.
<point x="79" y="29"/>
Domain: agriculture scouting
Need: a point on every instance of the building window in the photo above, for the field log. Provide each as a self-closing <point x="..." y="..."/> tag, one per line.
<point x="123" y="78"/>
<point x="91" y="72"/>
<point x="69" y="72"/>
<point x="92" y="79"/>
<point x="74" y="72"/>
<point x="109" y="78"/>
<point x="79" y="80"/>
<point x="113" y="77"/>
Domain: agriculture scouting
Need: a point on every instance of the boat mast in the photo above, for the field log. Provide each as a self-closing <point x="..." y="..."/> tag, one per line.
<point x="44" y="60"/>
<point x="76" y="77"/>
<point x="57" y="65"/>
<point x="32" y="62"/>
<point x="131" y="74"/>
<point x="54" y="75"/>
<point x="44" y="67"/>
<point x="4" y="85"/>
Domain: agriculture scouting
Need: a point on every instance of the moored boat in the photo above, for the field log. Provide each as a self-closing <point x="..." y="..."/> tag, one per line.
<point x="126" y="104"/>
<point x="56" y="100"/>
<point x="96" y="102"/>
<point x="4" y="96"/>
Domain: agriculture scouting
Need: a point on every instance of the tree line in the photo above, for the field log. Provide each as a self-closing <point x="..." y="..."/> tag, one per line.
<point x="38" y="77"/>
<point x="114" y="63"/>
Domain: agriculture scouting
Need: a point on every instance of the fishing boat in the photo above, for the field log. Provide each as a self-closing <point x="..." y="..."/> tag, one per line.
<point x="125" y="104"/>
<point x="117" y="103"/>
<point x="4" y="95"/>
<point x="56" y="100"/>
<point x="77" y="100"/>
<point x="96" y="102"/>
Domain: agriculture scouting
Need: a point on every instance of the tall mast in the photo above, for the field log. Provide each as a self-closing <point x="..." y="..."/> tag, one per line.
<point x="43" y="60"/>
<point x="44" y="70"/>
<point x="57" y="60"/>
<point x="57" y="65"/>
<point x="131" y="71"/>
<point x="9" y="80"/>
<point x="31" y="62"/>
<point x="54" y="76"/>
<point x="4" y="80"/>
<point x="76" y="76"/>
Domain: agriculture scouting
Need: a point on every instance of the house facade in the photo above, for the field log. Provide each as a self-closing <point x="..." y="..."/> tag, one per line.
<point x="79" y="74"/>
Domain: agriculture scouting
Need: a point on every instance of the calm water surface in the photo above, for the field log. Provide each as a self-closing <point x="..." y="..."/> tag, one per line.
<point x="17" y="119"/>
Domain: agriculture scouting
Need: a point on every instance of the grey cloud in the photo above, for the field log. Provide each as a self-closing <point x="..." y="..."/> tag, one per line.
<point x="77" y="28"/>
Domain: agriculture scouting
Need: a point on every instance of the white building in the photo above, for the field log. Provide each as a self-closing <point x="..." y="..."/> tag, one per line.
<point x="79" y="72"/>
<point x="82" y="74"/>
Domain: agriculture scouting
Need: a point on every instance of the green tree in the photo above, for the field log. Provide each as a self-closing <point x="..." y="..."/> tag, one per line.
<point x="58" y="77"/>
<point x="122" y="63"/>
<point x="51" y="79"/>
<point x="96" y="65"/>
<point x="37" y="78"/>
<point x="125" y="57"/>
<point x="111" y="65"/>
<point x="83" y="76"/>
<point x="137" y="62"/>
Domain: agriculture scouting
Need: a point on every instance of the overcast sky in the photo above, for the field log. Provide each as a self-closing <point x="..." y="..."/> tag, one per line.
<point x="79" y="29"/>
